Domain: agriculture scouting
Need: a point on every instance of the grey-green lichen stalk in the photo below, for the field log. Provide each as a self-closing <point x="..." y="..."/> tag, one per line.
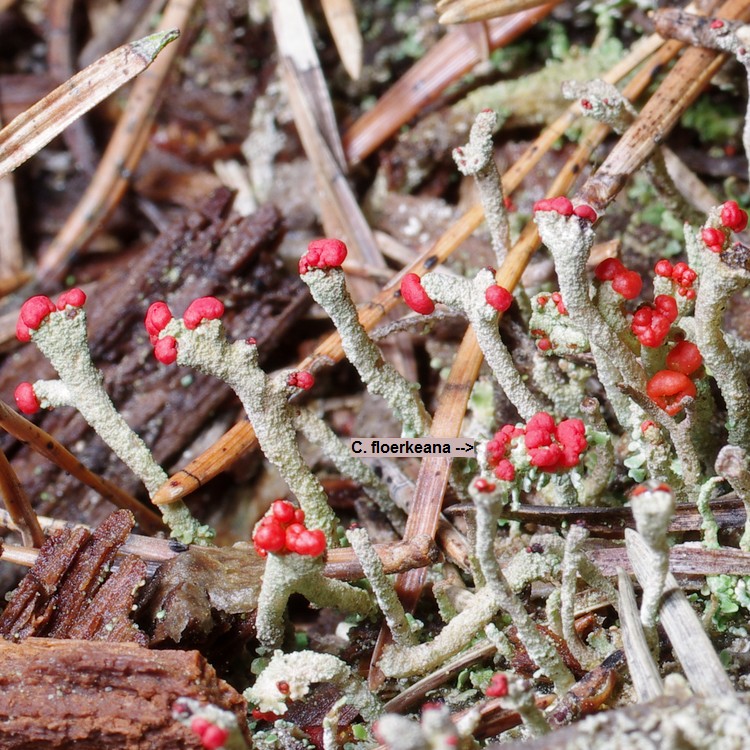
<point x="60" y="334"/>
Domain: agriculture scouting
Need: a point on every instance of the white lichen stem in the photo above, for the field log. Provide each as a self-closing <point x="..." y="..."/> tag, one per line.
<point x="63" y="340"/>
<point x="732" y="464"/>
<point x="328" y="288"/>
<point x="476" y="159"/>
<point x="265" y="400"/>
<point x="382" y="587"/>
<point x="571" y="563"/>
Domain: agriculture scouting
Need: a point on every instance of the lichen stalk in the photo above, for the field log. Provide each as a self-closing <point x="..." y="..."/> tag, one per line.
<point x="732" y="464"/>
<point x="63" y="340"/>
<point x="285" y="575"/>
<point x="266" y="402"/>
<point x="722" y="276"/>
<point x="476" y="159"/>
<point x="653" y="508"/>
<point x="384" y="591"/>
<point x="328" y="288"/>
<point x="470" y="297"/>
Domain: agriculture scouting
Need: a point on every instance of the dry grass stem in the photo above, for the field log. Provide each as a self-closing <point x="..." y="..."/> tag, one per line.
<point x="31" y="131"/>
<point x="452" y="57"/>
<point x="296" y="49"/>
<point x="643" y="670"/>
<point x="466" y="11"/>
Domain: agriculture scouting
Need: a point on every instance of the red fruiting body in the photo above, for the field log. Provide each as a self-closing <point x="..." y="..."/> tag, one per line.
<point x="26" y="399"/>
<point x="498" y="297"/>
<point x="558" y="300"/>
<point x="713" y="237"/>
<point x="165" y="350"/>
<point x="505" y="470"/>
<point x="552" y="448"/>
<point x="646" y="425"/>
<point x="325" y="253"/>
<point x="608" y="269"/>
<point x="33" y="312"/>
<point x="415" y="296"/>
<point x="628" y="284"/>
<point x="269" y="536"/>
<point x="199" y="725"/>
<point x="283" y="511"/>
<point x="586" y="104"/>
<point x="684" y="358"/>
<point x="269" y="716"/>
<point x="73" y="297"/>
<point x="667" y="389"/>
<point x="733" y="216"/>
<point x="498" y="687"/>
<point x="283" y="687"/>
<point x="301" y="379"/>
<point x="214" y="737"/>
<point x="717" y="23"/>
<point x="560" y="205"/>
<point x="663" y="268"/>
<point x="584" y="211"/>
<point x="684" y="275"/>
<point x="283" y="531"/>
<point x="203" y="308"/>
<point x="508" y="203"/>
<point x="544" y="344"/>
<point x="158" y="316"/>
<point x="651" y="325"/>
<point x="482" y="485"/>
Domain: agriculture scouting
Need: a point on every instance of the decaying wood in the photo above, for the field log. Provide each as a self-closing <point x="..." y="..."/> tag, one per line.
<point x="67" y="593"/>
<point x="64" y="694"/>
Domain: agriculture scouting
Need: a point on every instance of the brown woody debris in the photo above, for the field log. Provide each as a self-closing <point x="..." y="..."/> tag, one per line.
<point x="93" y="696"/>
<point x="69" y="592"/>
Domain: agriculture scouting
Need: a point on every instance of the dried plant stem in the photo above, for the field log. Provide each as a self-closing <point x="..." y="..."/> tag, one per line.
<point x="643" y="670"/>
<point x="11" y="254"/>
<point x="691" y="645"/>
<point x="18" y="505"/>
<point x="466" y="11"/>
<point x="35" y="128"/>
<point x="122" y="154"/>
<point x="342" y="20"/>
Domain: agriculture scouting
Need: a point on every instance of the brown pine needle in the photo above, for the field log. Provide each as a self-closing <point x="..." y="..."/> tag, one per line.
<point x="342" y="21"/>
<point x="123" y="151"/>
<point x="453" y="56"/>
<point x="18" y="505"/>
<point x="466" y="11"/>
<point x="43" y="443"/>
<point x="35" y="128"/>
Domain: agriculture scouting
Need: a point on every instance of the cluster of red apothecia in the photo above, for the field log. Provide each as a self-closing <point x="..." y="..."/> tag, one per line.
<point x="414" y="294"/>
<point x="550" y="447"/>
<point x="283" y="531"/>
<point x="733" y="218"/>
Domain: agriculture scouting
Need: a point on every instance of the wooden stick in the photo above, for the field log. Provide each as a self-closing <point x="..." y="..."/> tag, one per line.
<point x="46" y="445"/>
<point x="35" y="128"/>
<point x="678" y="91"/>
